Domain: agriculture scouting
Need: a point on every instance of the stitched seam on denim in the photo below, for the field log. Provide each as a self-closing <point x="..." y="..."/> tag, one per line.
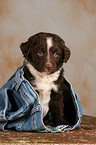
<point x="33" y="125"/>
<point x="6" y="102"/>
<point x="18" y="84"/>
<point x="20" y="124"/>
<point x="2" y="114"/>
<point x="25" y="98"/>
<point x="36" y="109"/>
<point x="78" y="110"/>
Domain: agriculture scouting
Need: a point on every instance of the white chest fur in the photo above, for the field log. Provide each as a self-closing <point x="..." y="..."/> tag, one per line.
<point x="44" y="84"/>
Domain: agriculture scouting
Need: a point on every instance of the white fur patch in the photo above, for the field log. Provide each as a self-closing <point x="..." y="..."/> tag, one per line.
<point x="49" y="45"/>
<point x="44" y="84"/>
<point x="49" y="42"/>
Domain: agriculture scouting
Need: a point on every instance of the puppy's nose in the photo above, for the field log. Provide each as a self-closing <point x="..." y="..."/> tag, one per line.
<point x="49" y="66"/>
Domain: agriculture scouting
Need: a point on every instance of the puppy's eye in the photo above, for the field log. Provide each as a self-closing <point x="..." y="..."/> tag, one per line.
<point x="55" y="54"/>
<point x="40" y="53"/>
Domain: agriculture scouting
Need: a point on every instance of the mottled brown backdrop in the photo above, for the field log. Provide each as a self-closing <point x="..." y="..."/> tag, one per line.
<point x="74" y="21"/>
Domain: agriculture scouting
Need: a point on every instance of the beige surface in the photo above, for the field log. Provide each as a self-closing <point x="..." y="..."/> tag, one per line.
<point x="74" y="21"/>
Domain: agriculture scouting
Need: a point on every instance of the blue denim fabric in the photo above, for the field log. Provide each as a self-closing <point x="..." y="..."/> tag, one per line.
<point x="20" y="109"/>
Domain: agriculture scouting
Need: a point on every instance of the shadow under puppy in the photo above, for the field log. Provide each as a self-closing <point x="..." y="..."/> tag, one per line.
<point x="44" y="55"/>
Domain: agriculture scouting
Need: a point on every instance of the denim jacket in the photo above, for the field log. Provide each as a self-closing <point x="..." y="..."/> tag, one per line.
<point x="20" y="109"/>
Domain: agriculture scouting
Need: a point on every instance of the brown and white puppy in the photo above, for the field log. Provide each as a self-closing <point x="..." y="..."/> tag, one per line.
<point x="44" y="55"/>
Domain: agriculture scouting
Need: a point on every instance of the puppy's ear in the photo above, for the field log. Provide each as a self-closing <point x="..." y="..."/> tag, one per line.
<point x="67" y="54"/>
<point x="24" y="48"/>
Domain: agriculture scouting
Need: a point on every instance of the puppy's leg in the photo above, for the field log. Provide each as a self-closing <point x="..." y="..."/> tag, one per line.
<point x="57" y="108"/>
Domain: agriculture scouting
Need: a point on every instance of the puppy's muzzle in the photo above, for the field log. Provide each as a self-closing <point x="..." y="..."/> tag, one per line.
<point x="49" y="66"/>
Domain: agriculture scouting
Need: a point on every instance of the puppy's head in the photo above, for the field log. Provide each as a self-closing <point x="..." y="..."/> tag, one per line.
<point x="46" y="52"/>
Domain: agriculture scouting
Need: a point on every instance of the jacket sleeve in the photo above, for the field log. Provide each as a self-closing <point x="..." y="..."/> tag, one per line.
<point x="16" y="100"/>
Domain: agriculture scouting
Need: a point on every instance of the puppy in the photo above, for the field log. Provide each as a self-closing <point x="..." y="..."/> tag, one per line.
<point x="44" y="55"/>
